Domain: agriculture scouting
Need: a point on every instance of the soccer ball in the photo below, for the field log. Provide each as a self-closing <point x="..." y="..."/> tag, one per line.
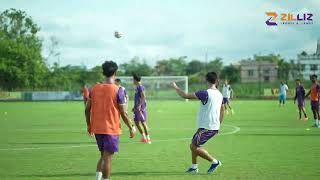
<point x="117" y="34"/>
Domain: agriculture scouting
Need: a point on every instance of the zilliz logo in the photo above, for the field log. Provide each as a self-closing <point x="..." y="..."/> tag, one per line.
<point x="288" y="18"/>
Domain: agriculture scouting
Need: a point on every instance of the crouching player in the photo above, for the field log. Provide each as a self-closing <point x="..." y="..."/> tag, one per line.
<point x="103" y="110"/>
<point x="210" y="117"/>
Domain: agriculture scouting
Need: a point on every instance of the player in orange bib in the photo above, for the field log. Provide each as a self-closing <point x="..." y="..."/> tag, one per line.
<point x="314" y="98"/>
<point x="85" y="94"/>
<point x="103" y="110"/>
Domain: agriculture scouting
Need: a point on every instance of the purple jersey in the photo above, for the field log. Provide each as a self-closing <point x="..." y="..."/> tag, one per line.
<point x="137" y="98"/>
<point x="300" y="93"/>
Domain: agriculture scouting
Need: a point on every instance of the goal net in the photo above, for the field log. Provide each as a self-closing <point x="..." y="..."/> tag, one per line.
<point x="156" y="87"/>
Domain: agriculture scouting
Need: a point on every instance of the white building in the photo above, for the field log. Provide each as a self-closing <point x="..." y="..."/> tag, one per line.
<point x="310" y="63"/>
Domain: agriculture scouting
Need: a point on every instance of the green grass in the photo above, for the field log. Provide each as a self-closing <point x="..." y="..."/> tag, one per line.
<point x="272" y="143"/>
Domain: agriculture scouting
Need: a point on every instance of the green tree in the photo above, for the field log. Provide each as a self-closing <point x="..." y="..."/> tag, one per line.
<point x="172" y="66"/>
<point x="135" y="65"/>
<point x="194" y="66"/>
<point x="231" y="72"/>
<point x="21" y="63"/>
<point x="215" y="65"/>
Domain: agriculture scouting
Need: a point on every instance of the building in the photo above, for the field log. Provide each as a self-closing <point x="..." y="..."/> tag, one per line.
<point x="309" y="63"/>
<point x="255" y="71"/>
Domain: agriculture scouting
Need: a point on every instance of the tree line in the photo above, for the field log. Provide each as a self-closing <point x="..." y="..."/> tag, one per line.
<point x="23" y="67"/>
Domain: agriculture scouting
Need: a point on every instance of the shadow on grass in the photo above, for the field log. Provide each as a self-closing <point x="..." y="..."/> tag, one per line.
<point x="155" y="173"/>
<point x="279" y="135"/>
<point x="55" y="143"/>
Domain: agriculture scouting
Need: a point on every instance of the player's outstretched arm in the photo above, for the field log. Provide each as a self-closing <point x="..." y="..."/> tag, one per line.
<point x="126" y="120"/>
<point x="183" y="94"/>
<point x="88" y="115"/>
<point x="308" y="93"/>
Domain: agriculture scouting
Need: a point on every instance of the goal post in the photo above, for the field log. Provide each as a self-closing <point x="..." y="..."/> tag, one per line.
<point x="156" y="87"/>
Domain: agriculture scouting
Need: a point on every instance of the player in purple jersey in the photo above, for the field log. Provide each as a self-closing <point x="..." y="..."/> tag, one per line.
<point x="299" y="98"/>
<point x="118" y="83"/>
<point x="140" y="109"/>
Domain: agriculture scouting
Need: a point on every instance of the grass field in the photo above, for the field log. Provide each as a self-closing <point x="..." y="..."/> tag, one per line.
<point x="47" y="140"/>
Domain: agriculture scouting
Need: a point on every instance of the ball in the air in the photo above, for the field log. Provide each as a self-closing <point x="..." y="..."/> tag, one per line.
<point x="118" y="34"/>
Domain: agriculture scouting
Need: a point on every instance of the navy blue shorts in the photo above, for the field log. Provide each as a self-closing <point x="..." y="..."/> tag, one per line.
<point x="202" y="136"/>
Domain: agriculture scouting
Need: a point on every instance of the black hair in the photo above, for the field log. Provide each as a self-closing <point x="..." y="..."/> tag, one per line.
<point x="109" y="68"/>
<point x="212" y="77"/>
<point x="297" y="80"/>
<point x="314" y="76"/>
<point x="118" y="80"/>
<point x="136" y="77"/>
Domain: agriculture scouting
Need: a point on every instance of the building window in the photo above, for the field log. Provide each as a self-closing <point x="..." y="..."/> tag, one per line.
<point x="250" y="73"/>
<point x="266" y="78"/>
<point x="313" y="67"/>
<point x="266" y="71"/>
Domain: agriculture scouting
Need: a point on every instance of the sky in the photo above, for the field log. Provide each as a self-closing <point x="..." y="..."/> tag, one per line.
<point x="159" y="29"/>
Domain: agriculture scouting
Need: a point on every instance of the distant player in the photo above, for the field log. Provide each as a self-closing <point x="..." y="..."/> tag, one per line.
<point x="227" y="93"/>
<point x="118" y="83"/>
<point x="85" y="94"/>
<point x="314" y="98"/>
<point x="299" y="98"/>
<point x="140" y="109"/>
<point x="283" y="89"/>
<point x="103" y="110"/>
<point x="210" y="117"/>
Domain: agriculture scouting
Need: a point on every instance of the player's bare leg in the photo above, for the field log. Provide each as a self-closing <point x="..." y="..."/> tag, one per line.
<point x="225" y="107"/>
<point x="304" y="113"/>
<point x="144" y="137"/>
<point x="146" y="130"/>
<point x="106" y="165"/>
<point x="201" y="152"/>
<point x="99" y="168"/>
<point x="230" y="108"/>
<point x="300" y="118"/>
<point x="139" y="127"/>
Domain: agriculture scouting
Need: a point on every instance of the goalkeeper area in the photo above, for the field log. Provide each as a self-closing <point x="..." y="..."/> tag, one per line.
<point x="48" y="140"/>
<point x="157" y="87"/>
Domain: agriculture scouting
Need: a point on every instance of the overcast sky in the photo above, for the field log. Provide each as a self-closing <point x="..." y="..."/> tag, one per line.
<point x="157" y="29"/>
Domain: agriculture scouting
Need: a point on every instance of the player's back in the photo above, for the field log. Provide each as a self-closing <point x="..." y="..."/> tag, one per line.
<point x="209" y="113"/>
<point x="105" y="115"/>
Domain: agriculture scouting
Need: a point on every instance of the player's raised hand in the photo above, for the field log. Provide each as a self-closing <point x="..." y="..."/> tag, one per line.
<point x="174" y="85"/>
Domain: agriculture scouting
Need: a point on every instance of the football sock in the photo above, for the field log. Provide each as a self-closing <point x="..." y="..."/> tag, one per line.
<point x="214" y="161"/>
<point x="98" y="175"/>
<point x="194" y="166"/>
<point x="144" y="136"/>
<point x="148" y="137"/>
<point x="317" y="122"/>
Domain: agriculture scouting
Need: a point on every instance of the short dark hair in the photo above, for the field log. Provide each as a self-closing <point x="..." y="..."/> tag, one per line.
<point x="118" y="80"/>
<point x="136" y="77"/>
<point x="109" y="68"/>
<point x="314" y="76"/>
<point x="212" y="77"/>
<point x="297" y="80"/>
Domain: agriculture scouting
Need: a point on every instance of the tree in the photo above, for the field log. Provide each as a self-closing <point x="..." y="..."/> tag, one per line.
<point x="172" y="66"/>
<point x="194" y="66"/>
<point x="231" y="72"/>
<point x="215" y="65"/>
<point x="137" y="66"/>
<point x="21" y="63"/>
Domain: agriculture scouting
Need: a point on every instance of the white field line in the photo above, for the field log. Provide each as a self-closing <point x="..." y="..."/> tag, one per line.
<point x="235" y="130"/>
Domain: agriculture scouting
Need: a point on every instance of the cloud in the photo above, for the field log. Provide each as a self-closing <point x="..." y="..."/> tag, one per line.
<point x="160" y="29"/>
